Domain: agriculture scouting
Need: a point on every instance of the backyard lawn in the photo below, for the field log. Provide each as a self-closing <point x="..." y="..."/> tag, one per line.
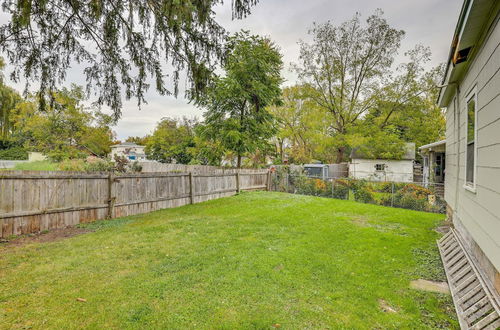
<point x="256" y="260"/>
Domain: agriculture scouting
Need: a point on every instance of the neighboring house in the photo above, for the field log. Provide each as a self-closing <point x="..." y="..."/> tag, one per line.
<point x="129" y="150"/>
<point x="398" y="170"/>
<point x="434" y="165"/>
<point x="471" y="96"/>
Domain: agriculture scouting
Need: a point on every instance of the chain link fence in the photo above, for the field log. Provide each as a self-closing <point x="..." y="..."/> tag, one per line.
<point x="409" y="195"/>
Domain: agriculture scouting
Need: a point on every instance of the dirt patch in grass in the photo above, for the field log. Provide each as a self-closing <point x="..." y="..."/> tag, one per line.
<point x="43" y="237"/>
<point x="361" y="221"/>
<point x="384" y="305"/>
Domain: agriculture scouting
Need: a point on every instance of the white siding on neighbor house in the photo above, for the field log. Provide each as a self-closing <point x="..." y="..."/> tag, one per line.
<point x="477" y="212"/>
<point x="395" y="170"/>
<point x="122" y="151"/>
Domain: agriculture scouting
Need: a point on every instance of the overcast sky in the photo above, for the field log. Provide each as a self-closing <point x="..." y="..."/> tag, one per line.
<point x="429" y="22"/>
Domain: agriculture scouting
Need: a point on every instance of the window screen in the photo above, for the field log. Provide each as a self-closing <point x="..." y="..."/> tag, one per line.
<point x="471" y="141"/>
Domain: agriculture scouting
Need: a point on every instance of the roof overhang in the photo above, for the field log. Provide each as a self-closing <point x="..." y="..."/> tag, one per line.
<point x="473" y="20"/>
<point x="432" y="145"/>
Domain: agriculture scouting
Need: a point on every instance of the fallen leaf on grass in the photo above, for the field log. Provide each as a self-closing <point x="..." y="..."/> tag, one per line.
<point x="81" y="299"/>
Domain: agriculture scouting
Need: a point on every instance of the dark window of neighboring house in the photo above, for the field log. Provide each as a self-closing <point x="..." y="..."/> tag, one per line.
<point x="380" y="167"/>
<point x="314" y="171"/>
<point x="131" y="157"/>
<point x="438" y="165"/>
<point x="470" y="162"/>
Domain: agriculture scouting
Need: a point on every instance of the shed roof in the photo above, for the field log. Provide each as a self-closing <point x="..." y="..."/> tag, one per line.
<point x="432" y="145"/>
<point x="127" y="145"/>
<point x="315" y="165"/>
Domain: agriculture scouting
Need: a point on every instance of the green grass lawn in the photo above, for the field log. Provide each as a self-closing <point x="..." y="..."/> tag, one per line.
<point x="256" y="260"/>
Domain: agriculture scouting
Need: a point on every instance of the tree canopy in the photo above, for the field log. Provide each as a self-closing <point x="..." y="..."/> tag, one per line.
<point x="171" y="141"/>
<point x="350" y="70"/>
<point x="236" y="103"/>
<point x="120" y="44"/>
<point x="64" y="130"/>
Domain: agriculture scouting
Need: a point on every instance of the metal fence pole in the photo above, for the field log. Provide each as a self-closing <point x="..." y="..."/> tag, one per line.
<point x="392" y="194"/>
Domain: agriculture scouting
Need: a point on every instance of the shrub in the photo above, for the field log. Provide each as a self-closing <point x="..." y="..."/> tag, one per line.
<point x="98" y="165"/>
<point x="136" y="167"/>
<point x="76" y="165"/>
<point x="411" y="196"/>
<point x="362" y="191"/>
<point x="121" y="164"/>
<point x="15" y="153"/>
<point x="341" y="189"/>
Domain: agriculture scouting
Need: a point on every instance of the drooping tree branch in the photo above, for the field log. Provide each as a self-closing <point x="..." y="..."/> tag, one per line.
<point x="121" y="44"/>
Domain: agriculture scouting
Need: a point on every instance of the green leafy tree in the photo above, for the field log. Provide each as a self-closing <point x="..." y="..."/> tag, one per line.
<point x="236" y="102"/>
<point x="120" y="43"/>
<point x="347" y="65"/>
<point x="64" y="129"/>
<point x="406" y="110"/>
<point x="372" y="105"/>
<point x="171" y="141"/>
<point x="206" y="151"/>
<point x="8" y="100"/>
<point x="302" y="127"/>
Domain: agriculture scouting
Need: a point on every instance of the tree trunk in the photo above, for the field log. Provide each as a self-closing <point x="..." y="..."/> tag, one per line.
<point x="340" y="154"/>
<point x="238" y="165"/>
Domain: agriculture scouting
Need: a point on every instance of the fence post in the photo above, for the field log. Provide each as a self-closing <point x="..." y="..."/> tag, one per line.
<point x="268" y="181"/>
<point x="111" y="197"/>
<point x="191" y="188"/>
<point x="237" y="182"/>
<point x="333" y="186"/>
<point x="392" y="194"/>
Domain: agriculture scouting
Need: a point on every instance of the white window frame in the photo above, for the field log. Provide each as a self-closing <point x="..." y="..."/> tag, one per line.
<point x="467" y="185"/>
<point x="384" y="166"/>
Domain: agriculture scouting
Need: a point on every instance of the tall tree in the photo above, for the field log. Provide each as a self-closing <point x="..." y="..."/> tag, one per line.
<point x="65" y="129"/>
<point x="302" y="127"/>
<point x="171" y="141"/>
<point x="236" y="102"/>
<point x="346" y="65"/>
<point x="406" y="109"/>
<point x="8" y="100"/>
<point x="120" y="43"/>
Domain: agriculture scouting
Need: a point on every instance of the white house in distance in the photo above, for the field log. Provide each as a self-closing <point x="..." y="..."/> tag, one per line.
<point x="129" y="150"/>
<point x="471" y="96"/>
<point x="397" y="170"/>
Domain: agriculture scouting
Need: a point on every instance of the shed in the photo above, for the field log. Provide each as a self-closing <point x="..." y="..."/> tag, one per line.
<point x="397" y="170"/>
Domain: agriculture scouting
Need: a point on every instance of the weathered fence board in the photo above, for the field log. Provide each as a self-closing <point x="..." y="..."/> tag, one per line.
<point x="36" y="201"/>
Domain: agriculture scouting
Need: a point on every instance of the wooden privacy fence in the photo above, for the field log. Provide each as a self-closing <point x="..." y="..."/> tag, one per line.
<point x="31" y="202"/>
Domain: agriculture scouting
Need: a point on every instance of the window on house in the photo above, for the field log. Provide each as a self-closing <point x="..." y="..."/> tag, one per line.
<point x="380" y="167"/>
<point x="470" y="162"/>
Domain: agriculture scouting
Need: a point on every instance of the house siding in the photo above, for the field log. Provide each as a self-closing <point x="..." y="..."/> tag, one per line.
<point x="477" y="215"/>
